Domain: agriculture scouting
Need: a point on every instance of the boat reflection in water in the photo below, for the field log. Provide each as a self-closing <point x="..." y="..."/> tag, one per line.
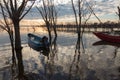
<point x="116" y="45"/>
<point x="106" y="43"/>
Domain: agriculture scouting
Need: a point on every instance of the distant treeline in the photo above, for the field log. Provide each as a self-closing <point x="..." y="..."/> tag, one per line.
<point x="86" y="27"/>
<point x="89" y="25"/>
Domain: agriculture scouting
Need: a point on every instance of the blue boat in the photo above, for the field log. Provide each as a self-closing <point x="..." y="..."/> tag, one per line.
<point x="36" y="43"/>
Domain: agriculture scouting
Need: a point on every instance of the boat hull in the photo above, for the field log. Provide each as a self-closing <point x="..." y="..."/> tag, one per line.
<point x="34" y="46"/>
<point x="34" y="42"/>
<point x="107" y="37"/>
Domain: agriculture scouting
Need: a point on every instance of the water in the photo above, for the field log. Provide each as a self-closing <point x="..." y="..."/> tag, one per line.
<point x="100" y="61"/>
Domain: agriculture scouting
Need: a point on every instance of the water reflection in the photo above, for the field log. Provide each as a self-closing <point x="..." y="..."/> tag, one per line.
<point x="116" y="45"/>
<point x="106" y="43"/>
<point x="93" y="65"/>
<point x="50" y="68"/>
<point x="113" y="75"/>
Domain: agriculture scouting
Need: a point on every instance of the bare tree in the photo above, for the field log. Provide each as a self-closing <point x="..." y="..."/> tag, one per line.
<point x="78" y="20"/>
<point x="14" y="10"/>
<point x="118" y="12"/>
<point x="49" y="15"/>
<point x="82" y="12"/>
<point x="9" y="29"/>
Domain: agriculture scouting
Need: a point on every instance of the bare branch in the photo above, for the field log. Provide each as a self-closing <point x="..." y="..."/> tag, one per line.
<point x="41" y="13"/>
<point x="4" y="15"/>
<point x="22" y="7"/>
<point x="15" y="2"/>
<point x="93" y="12"/>
<point x="74" y="12"/>
<point x="27" y="11"/>
<point x="118" y="12"/>
<point x="7" y="7"/>
<point x="12" y="8"/>
<point x="45" y="9"/>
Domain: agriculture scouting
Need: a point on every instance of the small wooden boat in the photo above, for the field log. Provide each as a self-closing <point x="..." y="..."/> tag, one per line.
<point x="107" y="37"/>
<point x="35" y="42"/>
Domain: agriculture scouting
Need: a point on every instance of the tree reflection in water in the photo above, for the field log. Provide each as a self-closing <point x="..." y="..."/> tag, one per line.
<point x="76" y="68"/>
<point x="50" y="65"/>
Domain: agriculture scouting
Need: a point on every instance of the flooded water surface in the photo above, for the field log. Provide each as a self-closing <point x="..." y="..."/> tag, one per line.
<point x="99" y="61"/>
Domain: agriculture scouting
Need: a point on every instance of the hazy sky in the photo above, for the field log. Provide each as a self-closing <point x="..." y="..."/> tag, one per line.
<point x="104" y="9"/>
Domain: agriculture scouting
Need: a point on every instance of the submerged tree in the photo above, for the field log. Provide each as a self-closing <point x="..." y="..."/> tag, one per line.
<point x="82" y="12"/>
<point x="49" y="14"/>
<point x="14" y="10"/>
<point x="78" y="20"/>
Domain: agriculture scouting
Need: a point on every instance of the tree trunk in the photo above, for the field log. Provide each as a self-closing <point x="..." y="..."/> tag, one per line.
<point x="119" y="12"/>
<point x="18" y="49"/>
<point x="12" y="45"/>
<point x="49" y="31"/>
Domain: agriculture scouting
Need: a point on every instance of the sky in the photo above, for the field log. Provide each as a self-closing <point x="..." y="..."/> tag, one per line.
<point x="104" y="9"/>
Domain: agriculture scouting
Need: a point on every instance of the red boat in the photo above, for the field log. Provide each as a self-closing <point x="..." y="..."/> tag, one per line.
<point x="107" y="37"/>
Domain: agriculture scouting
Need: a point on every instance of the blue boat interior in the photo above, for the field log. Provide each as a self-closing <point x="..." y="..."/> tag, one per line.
<point x="36" y="43"/>
<point x="35" y="38"/>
